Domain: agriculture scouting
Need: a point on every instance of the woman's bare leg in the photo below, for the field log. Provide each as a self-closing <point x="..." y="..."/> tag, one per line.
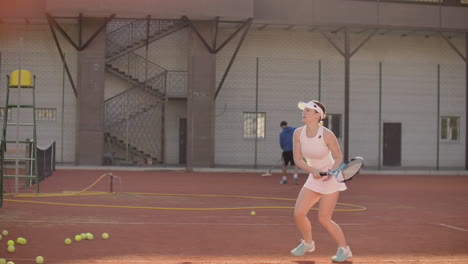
<point x="306" y="199"/>
<point x="326" y="207"/>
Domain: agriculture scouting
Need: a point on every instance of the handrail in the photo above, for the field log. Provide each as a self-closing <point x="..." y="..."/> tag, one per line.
<point x="141" y="57"/>
<point x="138" y="20"/>
<point x="134" y="87"/>
<point x="133" y="115"/>
<point x="124" y="26"/>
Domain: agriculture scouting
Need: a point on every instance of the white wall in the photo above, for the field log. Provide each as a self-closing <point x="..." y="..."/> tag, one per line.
<point x="40" y="56"/>
<point x="288" y="73"/>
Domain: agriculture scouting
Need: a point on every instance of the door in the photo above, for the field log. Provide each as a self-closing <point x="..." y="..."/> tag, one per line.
<point x="182" y="140"/>
<point x="392" y="144"/>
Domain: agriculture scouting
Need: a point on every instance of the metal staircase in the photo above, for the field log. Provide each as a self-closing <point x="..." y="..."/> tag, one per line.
<point x="134" y="119"/>
<point x="132" y="36"/>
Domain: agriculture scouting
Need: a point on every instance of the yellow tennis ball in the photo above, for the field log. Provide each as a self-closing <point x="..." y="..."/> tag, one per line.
<point x="83" y="236"/>
<point x="105" y="236"/>
<point x="2" y="261"/>
<point x="21" y="241"/>
<point x="11" y="249"/>
<point x="5" y="233"/>
<point x="11" y="243"/>
<point x="39" y="259"/>
<point x="68" y="241"/>
<point x="89" y="236"/>
<point x="1" y="239"/>
<point x="77" y="238"/>
<point x="253" y="213"/>
<point x="10" y="262"/>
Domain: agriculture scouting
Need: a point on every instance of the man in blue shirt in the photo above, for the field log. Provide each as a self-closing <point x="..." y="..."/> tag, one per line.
<point x="286" y="143"/>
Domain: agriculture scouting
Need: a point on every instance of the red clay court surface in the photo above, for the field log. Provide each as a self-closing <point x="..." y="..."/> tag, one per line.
<point x="409" y="219"/>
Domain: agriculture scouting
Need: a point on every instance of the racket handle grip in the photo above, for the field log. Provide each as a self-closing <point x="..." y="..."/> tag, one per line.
<point x="324" y="174"/>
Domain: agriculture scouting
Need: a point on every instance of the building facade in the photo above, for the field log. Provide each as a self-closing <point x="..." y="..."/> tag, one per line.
<point x="148" y="89"/>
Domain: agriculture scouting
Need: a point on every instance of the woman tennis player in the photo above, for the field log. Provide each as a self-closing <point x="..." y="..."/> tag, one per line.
<point x="319" y="147"/>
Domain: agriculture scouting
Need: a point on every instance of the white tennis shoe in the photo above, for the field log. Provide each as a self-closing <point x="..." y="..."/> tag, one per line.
<point x="303" y="248"/>
<point x="342" y="254"/>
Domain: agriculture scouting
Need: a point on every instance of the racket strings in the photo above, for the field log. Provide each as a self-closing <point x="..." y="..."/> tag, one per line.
<point x="351" y="169"/>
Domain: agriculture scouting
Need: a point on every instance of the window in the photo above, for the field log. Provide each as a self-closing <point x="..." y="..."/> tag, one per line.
<point x="333" y="122"/>
<point x="250" y="125"/>
<point x="2" y="112"/>
<point x="46" y="114"/>
<point x="449" y="127"/>
<point x="41" y="113"/>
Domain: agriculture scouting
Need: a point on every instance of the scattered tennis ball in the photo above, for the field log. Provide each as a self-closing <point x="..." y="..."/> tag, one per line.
<point x="89" y="236"/>
<point x="105" y="236"/>
<point x="68" y="241"/>
<point x="39" y="259"/>
<point x="77" y="238"/>
<point x="1" y="237"/>
<point x="11" y="243"/>
<point x="5" y="233"/>
<point x="253" y="213"/>
<point x="21" y="241"/>
<point x="83" y="236"/>
<point x="10" y="262"/>
<point x="11" y="249"/>
<point x="2" y="261"/>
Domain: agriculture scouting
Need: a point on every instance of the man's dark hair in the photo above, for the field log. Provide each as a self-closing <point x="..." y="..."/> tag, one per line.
<point x="283" y="123"/>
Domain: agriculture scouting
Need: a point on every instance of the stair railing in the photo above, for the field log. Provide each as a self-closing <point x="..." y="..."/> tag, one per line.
<point x="129" y="117"/>
<point x="134" y="32"/>
<point x="133" y="118"/>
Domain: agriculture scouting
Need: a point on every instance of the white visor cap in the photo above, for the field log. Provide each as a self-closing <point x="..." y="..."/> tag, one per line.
<point x="311" y="105"/>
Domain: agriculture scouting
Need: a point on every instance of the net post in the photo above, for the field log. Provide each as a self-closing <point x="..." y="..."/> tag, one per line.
<point x="111" y="182"/>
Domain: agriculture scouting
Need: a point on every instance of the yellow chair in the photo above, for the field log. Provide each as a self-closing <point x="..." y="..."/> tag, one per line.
<point x="26" y="79"/>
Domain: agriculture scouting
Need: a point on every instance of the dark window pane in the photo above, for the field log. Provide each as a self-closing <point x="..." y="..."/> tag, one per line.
<point x="454" y="128"/>
<point x="336" y="124"/>
<point x="443" y="126"/>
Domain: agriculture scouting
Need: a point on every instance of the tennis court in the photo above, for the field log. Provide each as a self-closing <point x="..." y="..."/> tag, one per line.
<point x="205" y="217"/>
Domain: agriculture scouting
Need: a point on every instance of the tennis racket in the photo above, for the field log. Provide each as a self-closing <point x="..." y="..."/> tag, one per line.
<point x="268" y="173"/>
<point x="347" y="170"/>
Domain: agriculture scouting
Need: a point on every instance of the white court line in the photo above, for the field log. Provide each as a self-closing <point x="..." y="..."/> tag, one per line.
<point x="170" y="262"/>
<point x="156" y="223"/>
<point x="453" y="227"/>
<point x="159" y="261"/>
<point x="195" y="260"/>
<point x="424" y="260"/>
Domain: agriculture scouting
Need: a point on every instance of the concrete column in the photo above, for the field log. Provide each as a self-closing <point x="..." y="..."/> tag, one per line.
<point x="201" y="103"/>
<point x="90" y="102"/>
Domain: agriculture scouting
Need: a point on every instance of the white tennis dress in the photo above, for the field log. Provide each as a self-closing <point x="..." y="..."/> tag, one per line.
<point x="318" y="156"/>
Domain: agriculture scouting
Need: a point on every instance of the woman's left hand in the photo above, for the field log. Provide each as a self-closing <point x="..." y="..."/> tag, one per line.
<point x="328" y="177"/>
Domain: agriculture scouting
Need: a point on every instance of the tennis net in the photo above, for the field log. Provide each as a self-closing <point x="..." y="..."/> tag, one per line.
<point x="45" y="161"/>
